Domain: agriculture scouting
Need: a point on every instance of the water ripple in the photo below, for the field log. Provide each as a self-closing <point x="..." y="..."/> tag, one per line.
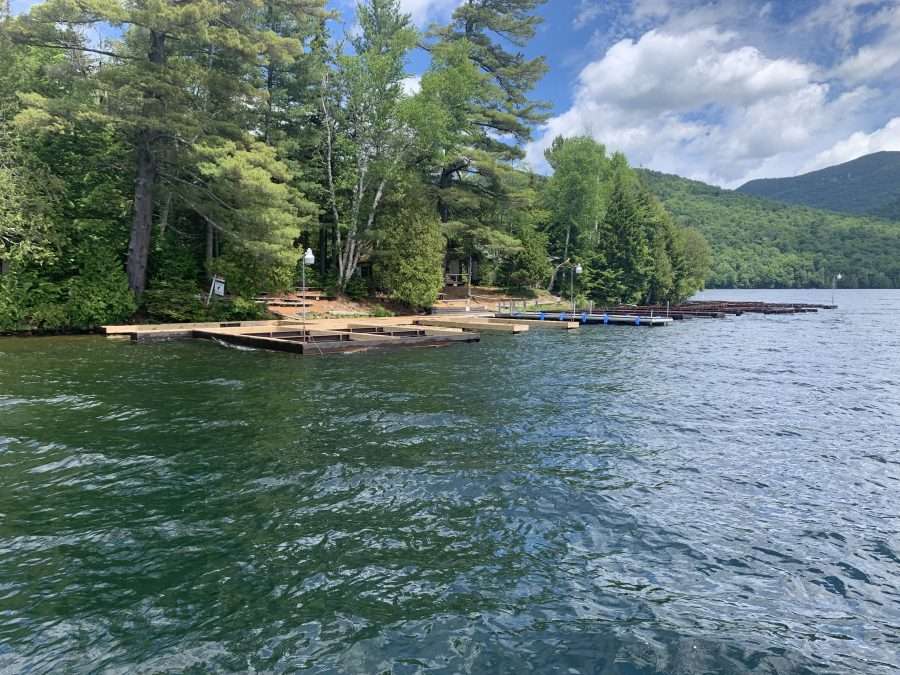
<point x="718" y="496"/>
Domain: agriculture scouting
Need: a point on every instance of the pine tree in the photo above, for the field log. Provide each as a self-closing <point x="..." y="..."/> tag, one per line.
<point x="165" y="85"/>
<point x="623" y="242"/>
<point x="493" y="114"/>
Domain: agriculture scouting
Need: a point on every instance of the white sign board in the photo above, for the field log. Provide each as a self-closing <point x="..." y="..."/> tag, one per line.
<point x="217" y="287"/>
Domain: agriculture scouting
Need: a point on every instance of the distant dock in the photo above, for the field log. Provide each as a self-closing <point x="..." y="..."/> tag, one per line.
<point x="587" y="318"/>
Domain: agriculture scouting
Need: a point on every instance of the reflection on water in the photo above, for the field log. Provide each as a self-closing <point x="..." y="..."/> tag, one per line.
<point x="716" y="496"/>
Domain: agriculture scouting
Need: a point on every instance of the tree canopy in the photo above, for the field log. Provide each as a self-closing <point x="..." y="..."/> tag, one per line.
<point x="757" y="243"/>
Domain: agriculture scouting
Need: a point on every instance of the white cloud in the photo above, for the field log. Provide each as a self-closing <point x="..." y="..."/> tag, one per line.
<point x="588" y="10"/>
<point x="645" y="9"/>
<point x="681" y="72"/>
<point x="859" y="144"/>
<point x="841" y="19"/>
<point x="425" y="11"/>
<point x="703" y="105"/>
<point x="874" y="60"/>
<point x="412" y="85"/>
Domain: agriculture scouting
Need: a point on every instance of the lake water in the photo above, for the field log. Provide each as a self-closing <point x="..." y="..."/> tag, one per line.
<point x="718" y="496"/>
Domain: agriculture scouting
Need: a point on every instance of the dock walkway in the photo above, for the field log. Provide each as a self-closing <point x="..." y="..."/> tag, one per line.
<point x="586" y="318"/>
<point x="317" y="337"/>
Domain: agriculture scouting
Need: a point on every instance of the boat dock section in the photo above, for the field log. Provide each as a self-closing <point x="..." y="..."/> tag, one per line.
<point x="293" y="336"/>
<point x="328" y="336"/>
<point x="586" y="318"/>
<point x="476" y="323"/>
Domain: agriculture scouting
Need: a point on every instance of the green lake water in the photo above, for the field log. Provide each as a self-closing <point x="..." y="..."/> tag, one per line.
<point x="718" y="496"/>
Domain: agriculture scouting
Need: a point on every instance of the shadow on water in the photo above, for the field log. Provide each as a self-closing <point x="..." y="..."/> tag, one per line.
<point x="717" y="496"/>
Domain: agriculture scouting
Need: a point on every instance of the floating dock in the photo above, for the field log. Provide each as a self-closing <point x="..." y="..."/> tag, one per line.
<point x="292" y="336"/>
<point x="539" y="325"/>
<point x="329" y="336"/>
<point x="480" y="324"/>
<point x="716" y="309"/>
<point x="586" y="318"/>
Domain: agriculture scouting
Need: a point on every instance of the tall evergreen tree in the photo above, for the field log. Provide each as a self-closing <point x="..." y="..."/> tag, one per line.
<point x="159" y="85"/>
<point x="495" y="117"/>
<point x="623" y="242"/>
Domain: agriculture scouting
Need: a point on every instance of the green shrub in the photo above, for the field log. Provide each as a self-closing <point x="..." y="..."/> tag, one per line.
<point x="42" y="299"/>
<point x="236" y="309"/>
<point x="247" y="276"/>
<point x="28" y="301"/>
<point x="173" y="302"/>
<point x="379" y="311"/>
<point x="99" y="294"/>
<point x="357" y="288"/>
<point x="410" y="263"/>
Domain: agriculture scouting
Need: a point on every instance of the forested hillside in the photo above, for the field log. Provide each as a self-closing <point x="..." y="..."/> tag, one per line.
<point x="759" y="243"/>
<point x="869" y="185"/>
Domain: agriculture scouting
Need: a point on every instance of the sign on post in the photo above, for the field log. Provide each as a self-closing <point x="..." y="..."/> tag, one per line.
<point x="217" y="288"/>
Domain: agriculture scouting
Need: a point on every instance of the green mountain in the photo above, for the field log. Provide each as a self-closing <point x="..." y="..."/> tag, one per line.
<point x="758" y="243"/>
<point x="869" y="185"/>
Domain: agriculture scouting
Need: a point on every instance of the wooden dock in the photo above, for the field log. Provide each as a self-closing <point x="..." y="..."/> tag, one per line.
<point x="329" y="336"/>
<point x="291" y="336"/>
<point x="586" y="318"/>
<point x="716" y="309"/>
<point x="479" y="324"/>
<point x="539" y="325"/>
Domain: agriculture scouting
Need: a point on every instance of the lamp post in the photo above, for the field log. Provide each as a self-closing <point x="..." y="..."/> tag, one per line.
<point x="835" y="279"/>
<point x="575" y="270"/>
<point x="308" y="259"/>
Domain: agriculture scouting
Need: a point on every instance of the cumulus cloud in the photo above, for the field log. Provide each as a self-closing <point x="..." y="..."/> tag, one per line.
<point x="872" y="61"/>
<point x="425" y="11"/>
<point x="703" y="105"/>
<point x="729" y="90"/>
<point x="679" y="72"/>
<point x="859" y="144"/>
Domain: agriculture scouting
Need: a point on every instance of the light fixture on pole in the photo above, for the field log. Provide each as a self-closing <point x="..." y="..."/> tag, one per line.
<point x="575" y="270"/>
<point x="308" y="259"/>
<point x="837" y="278"/>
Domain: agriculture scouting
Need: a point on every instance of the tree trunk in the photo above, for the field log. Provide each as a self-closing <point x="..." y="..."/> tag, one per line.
<point x="145" y="182"/>
<point x="270" y="78"/>
<point x="210" y="244"/>
<point x="565" y="259"/>
<point x="142" y="225"/>
<point x="445" y="182"/>
<point x="323" y="250"/>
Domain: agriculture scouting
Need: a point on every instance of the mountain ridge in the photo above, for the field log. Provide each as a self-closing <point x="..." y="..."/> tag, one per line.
<point x="867" y="185"/>
<point x="763" y="243"/>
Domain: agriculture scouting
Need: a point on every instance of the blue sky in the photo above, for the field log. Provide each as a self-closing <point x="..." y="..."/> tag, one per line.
<point x="718" y="90"/>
